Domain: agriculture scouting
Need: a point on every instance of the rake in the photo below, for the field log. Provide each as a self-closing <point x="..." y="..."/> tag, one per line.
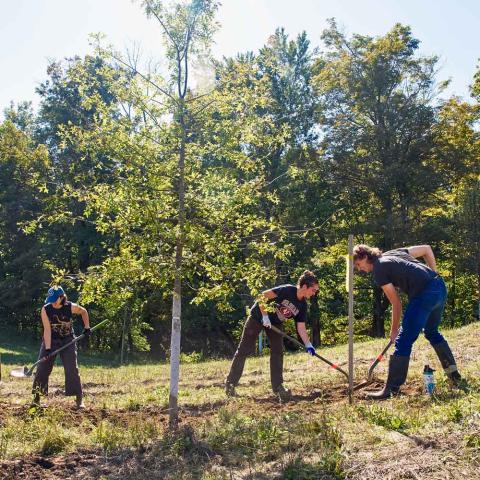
<point x="369" y="379"/>
<point x="27" y="372"/>
<point x="296" y="342"/>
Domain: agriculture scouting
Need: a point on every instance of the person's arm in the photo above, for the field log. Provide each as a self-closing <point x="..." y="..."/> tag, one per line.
<point x="47" y="330"/>
<point x="426" y="252"/>
<point x="302" y="331"/>
<point x="396" y="303"/>
<point x="266" y="295"/>
<point x="83" y="312"/>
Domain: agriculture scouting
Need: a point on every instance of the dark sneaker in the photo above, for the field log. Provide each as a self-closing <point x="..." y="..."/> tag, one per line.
<point x="283" y="394"/>
<point x="230" y="389"/>
<point x="79" y="405"/>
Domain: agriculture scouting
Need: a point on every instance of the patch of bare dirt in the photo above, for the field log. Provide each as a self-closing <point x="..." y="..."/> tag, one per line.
<point x="83" y="464"/>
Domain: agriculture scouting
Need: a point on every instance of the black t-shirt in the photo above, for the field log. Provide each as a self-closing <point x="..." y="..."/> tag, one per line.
<point x="403" y="271"/>
<point x="60" y="319"/>
<point x="287" y="305"/>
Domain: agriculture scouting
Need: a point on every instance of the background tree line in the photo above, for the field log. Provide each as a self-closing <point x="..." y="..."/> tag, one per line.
<point x="132" y="181"/>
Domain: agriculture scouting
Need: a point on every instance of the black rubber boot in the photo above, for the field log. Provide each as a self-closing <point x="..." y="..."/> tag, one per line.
<point x="449" y="365"/>
<point x="397" y="374"/>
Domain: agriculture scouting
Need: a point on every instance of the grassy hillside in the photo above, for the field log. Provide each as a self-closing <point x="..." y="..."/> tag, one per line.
<point x="122" y="433"/>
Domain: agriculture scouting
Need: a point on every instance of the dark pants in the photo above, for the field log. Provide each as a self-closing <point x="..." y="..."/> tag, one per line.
<point x="423" y="312"/>
<point x="251" y="330"/>
<point x="68" y="356"/>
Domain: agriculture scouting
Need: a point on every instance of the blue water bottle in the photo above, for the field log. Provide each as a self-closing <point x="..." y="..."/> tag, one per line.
<point x="428" y="380"/>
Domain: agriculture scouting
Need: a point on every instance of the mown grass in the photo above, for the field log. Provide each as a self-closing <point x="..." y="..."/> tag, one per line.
<point x="251" y="436"/>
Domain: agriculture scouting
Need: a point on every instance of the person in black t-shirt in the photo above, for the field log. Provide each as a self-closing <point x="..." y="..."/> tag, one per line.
<point x="274" y="307"/>
<point x="427" y="295"/>
<point x="57" y="331"/>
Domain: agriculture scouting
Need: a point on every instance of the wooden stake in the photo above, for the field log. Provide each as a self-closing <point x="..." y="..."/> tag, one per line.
<point x="350" y="316"/>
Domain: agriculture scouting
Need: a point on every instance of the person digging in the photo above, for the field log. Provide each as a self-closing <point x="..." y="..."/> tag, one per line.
<point x="273" y="308"/>
<point x="57" y="323"/>
<point x="427" y="295"/>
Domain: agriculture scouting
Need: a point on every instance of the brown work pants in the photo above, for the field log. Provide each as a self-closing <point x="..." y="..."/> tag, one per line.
<point x="251" y="330"/>
<point x="73" y="386"/>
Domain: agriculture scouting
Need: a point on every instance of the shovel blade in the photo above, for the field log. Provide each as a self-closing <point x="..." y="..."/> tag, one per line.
<point x="20" y="372"/>
<point x="362" y="385"/>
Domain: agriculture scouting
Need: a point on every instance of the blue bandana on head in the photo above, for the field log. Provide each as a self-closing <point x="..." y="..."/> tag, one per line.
<point x="54" y="293"/>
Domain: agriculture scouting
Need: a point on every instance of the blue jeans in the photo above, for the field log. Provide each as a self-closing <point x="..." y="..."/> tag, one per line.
<point x="423" y="312"/>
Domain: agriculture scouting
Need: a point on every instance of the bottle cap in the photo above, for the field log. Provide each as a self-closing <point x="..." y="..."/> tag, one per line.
<point x="428" y="369"/>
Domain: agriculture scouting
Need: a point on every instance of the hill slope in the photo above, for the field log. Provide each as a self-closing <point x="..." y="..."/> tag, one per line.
<point x="318" y="435"/>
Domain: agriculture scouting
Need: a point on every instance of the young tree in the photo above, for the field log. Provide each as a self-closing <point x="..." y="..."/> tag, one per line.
<point x="188" y="28"/>
<point x="184" y="205"/>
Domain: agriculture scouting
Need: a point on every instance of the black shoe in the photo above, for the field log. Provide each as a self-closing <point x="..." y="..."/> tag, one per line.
<point x="397" y="374"/>
<point x="283" y="394"/>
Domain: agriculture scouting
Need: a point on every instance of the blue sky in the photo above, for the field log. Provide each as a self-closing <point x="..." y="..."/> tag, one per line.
<point x="34" y="31"/>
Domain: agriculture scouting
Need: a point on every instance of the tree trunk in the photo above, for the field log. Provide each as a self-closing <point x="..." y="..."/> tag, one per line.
<point x="175" y="351"/>
<point x="478" y="289"/>
<point x="379" y="305"/>
<point x="453" y="295"/>
<point x="177" y="288"/>
<point x="378" y="325"/>
<point x="124" y="332"/>
<point x="315" y="319"/>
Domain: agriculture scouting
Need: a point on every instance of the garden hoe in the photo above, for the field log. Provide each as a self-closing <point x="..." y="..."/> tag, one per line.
<point x="369" y="379"/>
<point x="27" y="372"/>
<point x="299" y="344"/>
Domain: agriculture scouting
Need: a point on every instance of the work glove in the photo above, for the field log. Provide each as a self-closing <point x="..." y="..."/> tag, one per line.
<point x="309" y="349"/>
<point x="87" y="332"/>
<point x="266" y="321"/>
<point x="48" y="352"/>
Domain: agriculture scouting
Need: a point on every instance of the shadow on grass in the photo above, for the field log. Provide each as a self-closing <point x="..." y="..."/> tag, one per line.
<point x="300" y="470"/>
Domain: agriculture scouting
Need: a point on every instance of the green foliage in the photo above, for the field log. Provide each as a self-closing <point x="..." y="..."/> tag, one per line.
<point x="109" y="436"/>
<point x="55" y="440"/>
<point x="258" y="171"/>
<point x="384" y="417"/>
<point x="194" y="357"/>
<point x="268" y="437"/>
<point x="473" y="440"/>
<point x="368" y="88"/>
<point x="244" y="435"/>
<point x="22" y="167"/>
<point x="6" y="435"/>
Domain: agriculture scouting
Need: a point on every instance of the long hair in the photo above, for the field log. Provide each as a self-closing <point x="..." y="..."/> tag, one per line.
<point x="364" y="251"/>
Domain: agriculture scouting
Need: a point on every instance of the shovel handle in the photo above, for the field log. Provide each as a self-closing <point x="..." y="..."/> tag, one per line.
<point x="75" y="340"/>
<point x="296" y="342"/>
<point x="377" y="361"/>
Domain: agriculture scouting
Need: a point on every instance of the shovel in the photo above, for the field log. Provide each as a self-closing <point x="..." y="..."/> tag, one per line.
<point x="369" y="379"/>
<point x="27" y="372"/>
<point x="296" y="342"/>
